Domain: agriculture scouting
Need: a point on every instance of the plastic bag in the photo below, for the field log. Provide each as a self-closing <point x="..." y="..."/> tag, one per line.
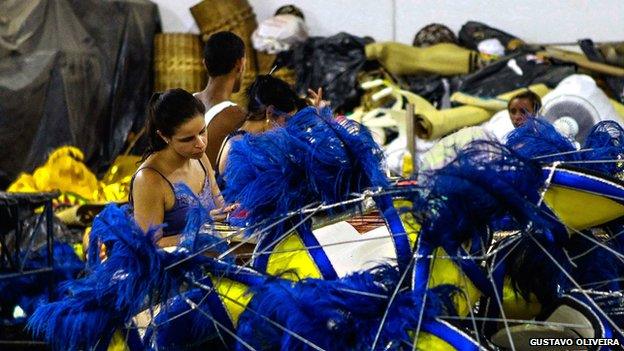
<point x="279" y="33"/>
<point x="66" y="79"/>
<point x="514" y="72"/>
<point x="333" y="64"/>
<point x="472" y="33"/>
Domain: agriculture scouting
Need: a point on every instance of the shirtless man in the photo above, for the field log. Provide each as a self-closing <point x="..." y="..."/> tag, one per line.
<point x="224" y="58"/>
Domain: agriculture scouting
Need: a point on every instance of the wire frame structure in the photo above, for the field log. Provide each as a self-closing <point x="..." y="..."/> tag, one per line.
<point x="445" y="273"/>
<point x="15" y="248"/>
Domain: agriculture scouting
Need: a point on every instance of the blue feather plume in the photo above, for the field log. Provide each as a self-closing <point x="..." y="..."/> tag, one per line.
<point x="485" y="182"/>
<point x="134" y="274"/>
<point x="180" y="327"/>
<point x="538" y="138"/>
<point x="31" y="290"/>
<point x="312" y="159"/>
<point x="110" y="295"/>
<point x="343" y="314"/>
<point x="606" y="141"/>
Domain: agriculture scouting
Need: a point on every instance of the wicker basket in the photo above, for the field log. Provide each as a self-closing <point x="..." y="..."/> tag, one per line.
<point x="178" y="62"/>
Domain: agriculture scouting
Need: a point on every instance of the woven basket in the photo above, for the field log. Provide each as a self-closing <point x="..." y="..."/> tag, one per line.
<point x="238" y="17"/>
<point x="178" y="62"/>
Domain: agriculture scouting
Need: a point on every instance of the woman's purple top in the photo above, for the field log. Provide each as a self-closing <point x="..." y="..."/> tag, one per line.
<point x="175" y="218"/>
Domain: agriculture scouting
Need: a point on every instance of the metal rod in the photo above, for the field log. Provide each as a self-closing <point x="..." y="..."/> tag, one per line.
<point x="411" y="141"/>
<point x="19" y="274"/>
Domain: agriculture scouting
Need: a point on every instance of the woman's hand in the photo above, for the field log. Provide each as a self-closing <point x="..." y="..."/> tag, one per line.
<point x="221" y="214"/>
<point x="315" y="98"/>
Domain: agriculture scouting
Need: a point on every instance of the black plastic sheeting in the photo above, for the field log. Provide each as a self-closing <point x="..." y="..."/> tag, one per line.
<point x="499" y="77"/>
<point x="613" y="85"/>
<point x="332" y="63"/>
<point x="72" y="72"/>
<point x="472" y="33"/>
<point x="428" y="86"/>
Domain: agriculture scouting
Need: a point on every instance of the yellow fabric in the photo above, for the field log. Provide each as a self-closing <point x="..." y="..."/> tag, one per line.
<point x="498" y="103"/>
<point x="445" y="58"/>
<point x="291" y="260"/>
<point x="407" y="165"/>
<point x="516" y="307"/>
<point x="65" y="171"/>
<point x="407" y="218"/>
<point x="619" y="108"/>
<point x="430" y="342"/>
<point x="79" y="250"/>
<point x="118" y="342"/>
<point x="116" y="182"/>
<point x="445" y="271"/>
<point x="235" y="296"/>
<point x="566" y="202"/>
<point x="432" y="123"/>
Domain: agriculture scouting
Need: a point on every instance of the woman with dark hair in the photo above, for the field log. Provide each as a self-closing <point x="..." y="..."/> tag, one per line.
<point x="270" y="102"/>
<point x="175" y="174"/>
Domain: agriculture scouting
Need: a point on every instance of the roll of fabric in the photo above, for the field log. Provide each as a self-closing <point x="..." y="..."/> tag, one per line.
<point x="444" y="59"/>
<point x="432" y="123"/>
<point x="498" y="103"/>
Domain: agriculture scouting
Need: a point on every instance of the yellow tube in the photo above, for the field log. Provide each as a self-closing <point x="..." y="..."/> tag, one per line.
<point x="445" y="58"/>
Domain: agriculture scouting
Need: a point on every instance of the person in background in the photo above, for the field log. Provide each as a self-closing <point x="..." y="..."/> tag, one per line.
<point x="271" y="101"/>
<point x="224" y="58"/>
<point x="175" y="174"/>
<point x="523" y="106"/>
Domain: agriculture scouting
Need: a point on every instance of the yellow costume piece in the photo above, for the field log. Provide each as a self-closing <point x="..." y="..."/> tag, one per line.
<point x="65" y="171"/>
<point x="498" y="103"/>
<point x="235" y="297"/>
<point x="444" y="271"/>
<point x="407" y="218"/>
<point x="516" y="307"/>
<point x="597" y="209"/>
<point x="431" y="342"/>
<point x="291" y="260"/>
<point x="432" y="123"/>
<point x="444" y="58"/>
<point x="62" y="171"/>
<point x="118" y="342"/>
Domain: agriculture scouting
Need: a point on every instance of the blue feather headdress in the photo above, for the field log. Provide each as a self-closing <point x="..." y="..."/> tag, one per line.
<point x="136" y="274"/>
<point x="313" y="159"/>
<point x="344" y="314"/>
<point x="485" y="181"/>
<point x="538" y="140"/>
<point x="31" y="290"/>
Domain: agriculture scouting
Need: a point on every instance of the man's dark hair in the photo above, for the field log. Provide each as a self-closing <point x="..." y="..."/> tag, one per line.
<point x="221" y="52"/>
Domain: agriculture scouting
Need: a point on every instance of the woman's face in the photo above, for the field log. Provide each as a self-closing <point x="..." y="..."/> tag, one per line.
<point x="189" y="140"/>
<point x="519" y="111"/>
